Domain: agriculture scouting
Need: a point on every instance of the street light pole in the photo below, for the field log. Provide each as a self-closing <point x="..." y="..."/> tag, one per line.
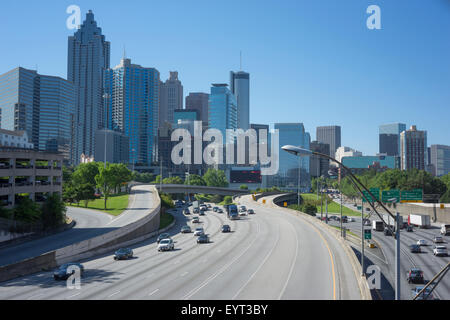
<point x="362" y="238"/>
<point x="340" y="194"/>
<point x="298" y="184"/>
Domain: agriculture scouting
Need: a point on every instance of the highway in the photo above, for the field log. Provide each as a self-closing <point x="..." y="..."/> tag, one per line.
<point x="425" y="261"/>
<point x="270" y="255"/>
<point x="89" y="224"/>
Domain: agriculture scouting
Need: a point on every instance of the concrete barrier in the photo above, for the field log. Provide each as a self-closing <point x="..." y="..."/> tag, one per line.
<point x="132" y="233"/>
<point x="362" y="281"/>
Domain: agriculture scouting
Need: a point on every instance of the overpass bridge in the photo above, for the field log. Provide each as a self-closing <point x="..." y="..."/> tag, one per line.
<point x="181" y="188"/>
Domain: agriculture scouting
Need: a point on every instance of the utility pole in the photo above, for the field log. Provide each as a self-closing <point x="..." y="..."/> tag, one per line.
<point x="397" y="257"/>
<point x="362" y="238"/>
<point x="340" y="194"/>
<point x="326" y="206"/>
<point x="321" y="203"/>
<point x="298" y="186"/>
<point x="160" y="172"/>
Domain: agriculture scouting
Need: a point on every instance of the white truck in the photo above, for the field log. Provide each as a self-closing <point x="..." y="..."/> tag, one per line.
<point x="445" y="229"/>
<point x="391" y="221"/>
<point x="419" y="220"/>
<point x="377" y="225"/>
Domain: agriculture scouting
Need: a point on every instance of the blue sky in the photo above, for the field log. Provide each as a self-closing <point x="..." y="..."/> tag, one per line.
<point x="310" y="61"/>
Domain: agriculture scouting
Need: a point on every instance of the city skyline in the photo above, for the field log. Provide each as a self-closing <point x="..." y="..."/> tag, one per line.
<point x="400" y="101"/>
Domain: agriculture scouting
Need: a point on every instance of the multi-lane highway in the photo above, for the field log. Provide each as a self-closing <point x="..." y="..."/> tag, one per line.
<point x="270" y="255"/>
<point x="89" y="224"/>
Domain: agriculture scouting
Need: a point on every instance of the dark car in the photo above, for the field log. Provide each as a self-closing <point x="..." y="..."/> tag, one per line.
<point x="215" y="209"/>
<point x="415" y="276"/>
<point x="66" y="270"/>
<point x="201" y="213"/>
<point x="196" y="210"/>
<point x="203" y="238"/>
<point x="387" y="232"/>
<point x="163" y="236"/>
<point x="219" y="210"/>
<point x="226" y="228"/>
<point x="186" y="211"/>
<point x="425" y="295"/>
<point x="250" y="211"/>
<point x="415" y="248"/>
<point x="344" y="219"/>
<point x="123" y="254"/>
<point x="185" y="229"/>
<point x="409" y="228"/>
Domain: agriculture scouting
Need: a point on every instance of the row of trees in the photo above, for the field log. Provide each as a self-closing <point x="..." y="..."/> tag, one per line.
<point x="393" y="179"/>
<point x="212" y="178"/>
<point x="82" y="182"/>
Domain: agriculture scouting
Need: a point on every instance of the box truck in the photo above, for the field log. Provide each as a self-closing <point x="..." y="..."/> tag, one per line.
<point x="419" y="220"/>
<point x="391" y="221"/>
<point x="232" y="211"/>
<point x="445" y="229"/>
<point x="377" y="225"/>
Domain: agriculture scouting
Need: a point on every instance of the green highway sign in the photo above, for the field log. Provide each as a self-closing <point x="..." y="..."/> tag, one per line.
<point x="386" y="195"/>
<point x="367" y="234"/>
<point x="374" y="191"/>
<point x="415" y="195"/>
<point x="359" y="207"/>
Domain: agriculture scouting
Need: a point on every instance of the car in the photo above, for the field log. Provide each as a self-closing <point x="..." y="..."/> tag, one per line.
<point x="422" y="242"/>
<point x="215" y="209"/>
<point x="195" y="220"/>
<point x="208" y="206"/>
<point x="219" y="210"/>
<point x="185" y="229"/>
<point x="409" y="228"/>
<point x="186" y="211"/>
<point x="440" y="251"/>
<point x="426" y="294"/>
<point x="344" y="219"/>
<point x="195" y="210"/>
<point x="203" y="238"/>
<point x="226" y="228"/>
<point x="166" y="245"/>
<point x="123" y="254"/>
<point x="415" y="276"/>
<point x="415" y="248"/>
<point x="201" y="213"/>
<point x="438" y="239"/>
<point x="242" y="213"/>
<point x="163" y="236"/>
<point x="66" y="270"/>
<point x="199" y="231"/>
<point x="387" y="232"/>
<point x="242" y="209"/>
<point x="367" y="209"/>
<point x="367" y="223"/>
<point x="350" y="219"/>
<point x="250" y="211"/>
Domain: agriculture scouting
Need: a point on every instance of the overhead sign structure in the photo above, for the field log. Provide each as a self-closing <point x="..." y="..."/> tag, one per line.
<point x="415" y="195"/>
<point x="374" y="191"/>
<point x="388" y="195"/>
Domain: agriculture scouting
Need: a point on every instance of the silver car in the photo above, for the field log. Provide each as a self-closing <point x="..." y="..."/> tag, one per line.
<point x="166" y="245"/>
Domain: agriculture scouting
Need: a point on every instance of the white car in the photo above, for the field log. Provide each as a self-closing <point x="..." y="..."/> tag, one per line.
<point x="422" y="242"/>
<point x="242" y="209"/>
<point x="166" y="245"/>
<point x="440" y="251"/>
<point x="198" y="232"/>
<point x="242" y="213"/>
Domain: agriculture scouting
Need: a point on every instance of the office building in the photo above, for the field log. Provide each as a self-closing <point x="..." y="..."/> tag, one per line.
<point x="413" y="149"/>
<point x="15" y="139"/>
<point x="222" y="110"/>
<point x="440" y="159"/>
<point x="132" y="100"/>
<point x="346" y="152"/>
<point x="42" y="106"/>
<point x="185" y="114"/>
<point x="288" y="173"/>
<point x="389" y="138"/>
<point x="199" y="101"/>
<point x="319" y="166"/>
<point x="330" y="135"/>
<point x="116" y="146"/>
<point x="171" y="98"/>
<point x="240" y="87"/>
<point x="368" y="162"/>
<point x="88" y="58"/>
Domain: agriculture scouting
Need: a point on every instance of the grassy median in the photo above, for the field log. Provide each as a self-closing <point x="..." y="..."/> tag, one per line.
<point x="115" y="205"/>
<point x="333" y="207"/>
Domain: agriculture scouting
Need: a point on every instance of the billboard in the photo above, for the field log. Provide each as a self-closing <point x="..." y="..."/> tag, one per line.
<point x="245" y="176"/>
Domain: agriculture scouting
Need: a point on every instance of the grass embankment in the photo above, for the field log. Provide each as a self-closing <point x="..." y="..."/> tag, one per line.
<point x="165" y="220"/>
<point x="115" y="205"/>
<point x="333" y="207"/>
<point x="347" y="231"/>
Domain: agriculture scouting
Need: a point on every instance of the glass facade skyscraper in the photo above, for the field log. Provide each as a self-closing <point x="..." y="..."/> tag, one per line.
<point x="132" y="100"/>
<point x="240" y="87"/>
<point x="43" y="106"/>
<point x="389" y="135"/>
<point x="171" y="98"/>
<point x="88" y="58"/>
<point x="440" y="159"/>
<point x="287" y="177"/>
<point x="222" y="110"/>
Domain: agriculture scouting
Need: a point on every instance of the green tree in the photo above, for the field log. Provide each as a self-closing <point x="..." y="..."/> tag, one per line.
<point x="194" y="180"/>
<point x="121" y="175"/>
<point x="106" y="180"/>
<point x="243" y="187"/>
<point x="85" y="173"/>
<point x="53" y="211"/>
<point x="27" y="211"/>
<point x="215" y="178"/>
<point x="84" y="192"/>
<point x="216" y="198"/>
<point x="228" y="200"/>
<point x="173" y="180"/>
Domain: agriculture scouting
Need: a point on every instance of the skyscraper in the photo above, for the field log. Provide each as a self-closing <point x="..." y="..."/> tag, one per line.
<point x="330" y="135"/>
<point x="132" y="100"/>
<point x="389" y="135"/>
<point x="240" y="87"/>
<point x="198" y="101"/>
<point x="440" y="159"/>
<point x="88" y="58"/>
<point x="413" y="149"/>
<point x="222" y="110"/>
<point x="43" y="106"/>
<point x="319" y="166"/>
<point x="171" y="98"/>
<point x="287" y="177"/>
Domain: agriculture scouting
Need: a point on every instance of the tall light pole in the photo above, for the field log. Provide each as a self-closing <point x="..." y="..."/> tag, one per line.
<point x="397" y="251"/>
<point x="298" y="184"/>
<point x="362" y="238"/>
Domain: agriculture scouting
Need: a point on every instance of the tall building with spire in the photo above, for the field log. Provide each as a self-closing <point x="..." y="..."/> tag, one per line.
<point x="171" y="94"/>
<point x="240" y="87"/>
<point x="88" y="58"/>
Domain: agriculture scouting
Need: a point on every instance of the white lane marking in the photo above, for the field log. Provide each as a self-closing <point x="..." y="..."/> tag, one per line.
<point x="74" y="295"/>
<point x="113" y="294"/>
<point x="293" y="263"/>
<point x="149" y="276"/>
<point x="125" y="213"/>
<point x="183" y="274"/>
<point x="153" y="292"/>
<point x="259" y="267"/>
<point x="220" y="271"/>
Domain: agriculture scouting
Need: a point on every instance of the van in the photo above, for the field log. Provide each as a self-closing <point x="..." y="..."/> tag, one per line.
<point x="445" y="229"/>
